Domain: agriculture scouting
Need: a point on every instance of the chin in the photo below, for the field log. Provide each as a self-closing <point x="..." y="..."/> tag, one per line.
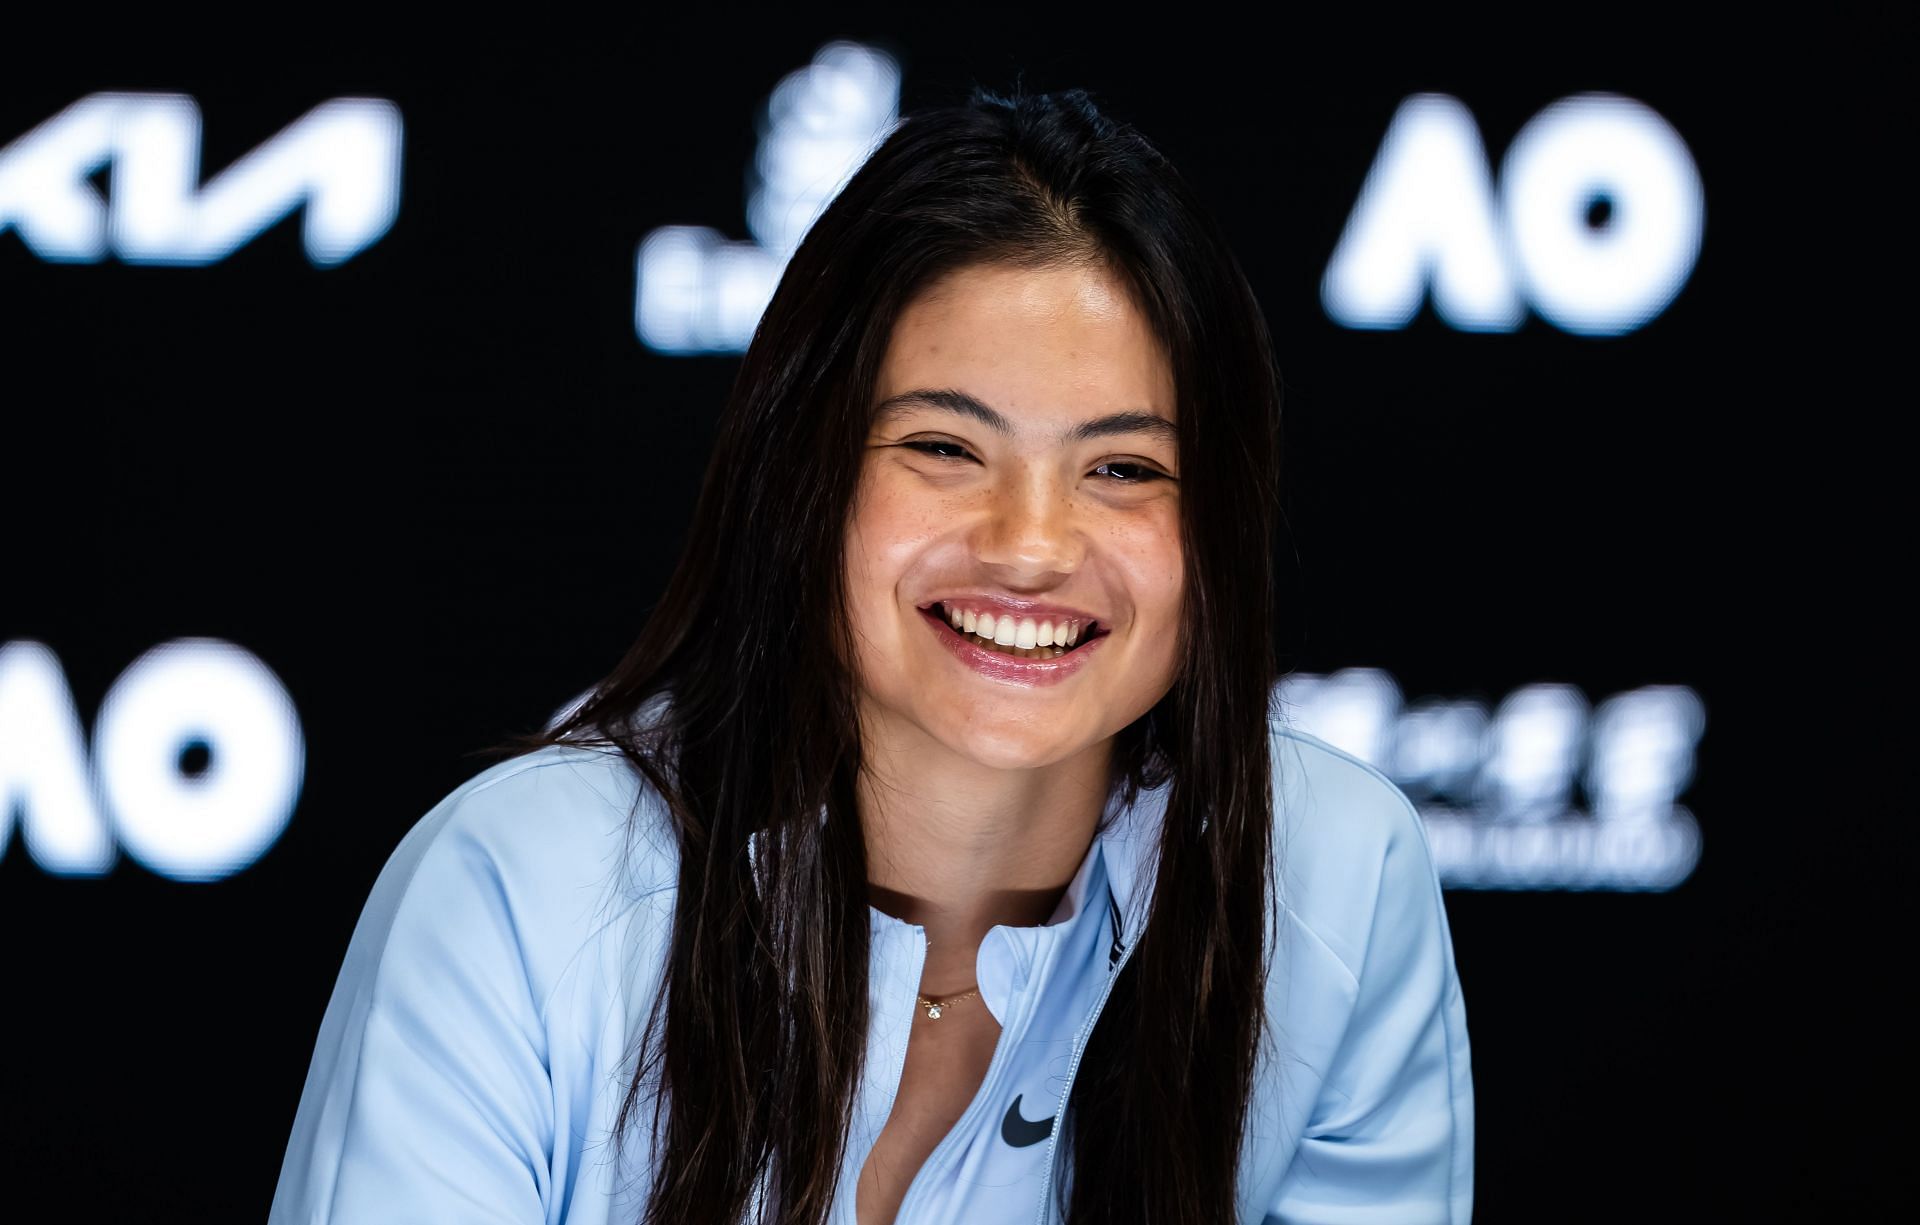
<point x="1009" y="747"/>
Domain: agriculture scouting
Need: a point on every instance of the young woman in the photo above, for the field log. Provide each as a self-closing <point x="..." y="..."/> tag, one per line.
<point x="938" y="852"/>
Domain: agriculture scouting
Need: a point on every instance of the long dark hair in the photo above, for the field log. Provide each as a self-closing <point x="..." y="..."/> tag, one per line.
<point x="754" y="1046"/>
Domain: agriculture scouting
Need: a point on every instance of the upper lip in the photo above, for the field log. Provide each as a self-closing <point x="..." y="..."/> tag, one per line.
<point x="1006" y="605"/>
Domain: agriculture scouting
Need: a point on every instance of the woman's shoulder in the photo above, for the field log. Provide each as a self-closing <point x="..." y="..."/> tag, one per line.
<point x="476" y="994"/>
<point x="1378" y="1053"/>
<point x="528" y="858"/>
<point x="1346" y="838"/>
<point x="552" y="813"/>
<point x="568" y="814"/>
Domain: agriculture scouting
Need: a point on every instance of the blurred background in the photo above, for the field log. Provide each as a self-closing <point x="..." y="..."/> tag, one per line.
<point x="357" y="391"/>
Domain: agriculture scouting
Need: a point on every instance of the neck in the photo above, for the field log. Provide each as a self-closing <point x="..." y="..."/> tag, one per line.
<point x="960" y="848"/>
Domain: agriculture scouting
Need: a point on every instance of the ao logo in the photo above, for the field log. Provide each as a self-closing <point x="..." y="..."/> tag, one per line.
<point x="197" y="761"/>
<point x="1596" y="221"/>
<point x="341" y="160"/>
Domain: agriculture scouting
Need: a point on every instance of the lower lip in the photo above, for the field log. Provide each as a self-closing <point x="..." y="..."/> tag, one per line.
<point x="1011" y="668"/>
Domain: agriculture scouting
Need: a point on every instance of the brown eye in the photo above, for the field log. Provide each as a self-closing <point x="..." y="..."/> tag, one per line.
<point x="1130" y="474"/>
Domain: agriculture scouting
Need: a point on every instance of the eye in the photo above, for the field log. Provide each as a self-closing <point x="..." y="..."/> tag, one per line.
<point x="1121" y="472"/>
<point x="1125" y="473"/>
<point x="927" y="445"/>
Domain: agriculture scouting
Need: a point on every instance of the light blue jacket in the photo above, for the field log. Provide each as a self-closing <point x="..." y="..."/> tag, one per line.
<point x="480" y="1034"/>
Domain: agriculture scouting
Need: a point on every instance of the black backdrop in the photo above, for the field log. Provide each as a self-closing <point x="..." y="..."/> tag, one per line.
<point x="436" y="488"/>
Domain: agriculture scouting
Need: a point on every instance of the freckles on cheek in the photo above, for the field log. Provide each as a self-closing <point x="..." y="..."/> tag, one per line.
<point x="894" y="526"/>
<point x="1154" y="552"/>
<point x="905" y="516"/>
<point x="908" y="544"/>
<point x="1154" y="555"/>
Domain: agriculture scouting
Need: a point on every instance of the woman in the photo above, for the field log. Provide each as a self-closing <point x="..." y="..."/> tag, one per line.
<point x="937" y="853"/>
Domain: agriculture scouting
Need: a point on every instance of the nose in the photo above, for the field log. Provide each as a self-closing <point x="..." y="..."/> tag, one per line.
<point x="1031" y="527"/>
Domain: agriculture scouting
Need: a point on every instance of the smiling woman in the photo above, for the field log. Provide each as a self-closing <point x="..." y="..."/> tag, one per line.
<point x="1014" y="582"/>
<point x="937" y="852"/>
<point x="1050" y="512"/>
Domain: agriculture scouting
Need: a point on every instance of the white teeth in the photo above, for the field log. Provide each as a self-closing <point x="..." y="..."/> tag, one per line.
<point x="1022" y="637"/>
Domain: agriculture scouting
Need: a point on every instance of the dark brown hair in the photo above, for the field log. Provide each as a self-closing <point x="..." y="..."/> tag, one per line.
<point x="753" y="1050"/>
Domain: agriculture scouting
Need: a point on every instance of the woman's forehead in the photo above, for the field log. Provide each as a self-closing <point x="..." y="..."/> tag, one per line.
<point x="1031" y="342"/>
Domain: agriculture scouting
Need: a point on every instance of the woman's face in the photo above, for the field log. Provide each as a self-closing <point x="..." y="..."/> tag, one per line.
<point x="1022" y="465"/>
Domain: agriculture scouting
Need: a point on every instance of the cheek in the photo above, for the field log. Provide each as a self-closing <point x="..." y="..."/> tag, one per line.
<point x="1156" y="578"/>
<point x="890" y="528"/>
<point x="1156" y="568"/>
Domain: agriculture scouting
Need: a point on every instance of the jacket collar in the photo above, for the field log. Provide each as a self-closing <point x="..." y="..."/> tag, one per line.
<point x="1130" y="836"/>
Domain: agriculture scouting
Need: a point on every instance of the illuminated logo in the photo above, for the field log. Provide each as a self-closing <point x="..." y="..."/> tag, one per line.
<point x="341" y="160"/>
<point x="1595" y="222"/>
<point x="699" y="292"/>
<point x="197" y="761"/>
<point x="1500" y="792"/>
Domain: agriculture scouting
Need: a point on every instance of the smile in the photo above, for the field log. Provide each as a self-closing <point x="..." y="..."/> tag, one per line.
<point x="1003" y="658"/>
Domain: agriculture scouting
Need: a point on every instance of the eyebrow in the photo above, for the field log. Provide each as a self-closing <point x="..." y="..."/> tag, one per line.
<point x="946" y="399"/>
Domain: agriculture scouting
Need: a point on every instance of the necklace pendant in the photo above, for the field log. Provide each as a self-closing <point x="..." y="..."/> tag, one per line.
<point x="933" y="1011"/>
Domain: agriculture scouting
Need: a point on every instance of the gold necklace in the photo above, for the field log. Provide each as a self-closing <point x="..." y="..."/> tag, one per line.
<point x="935" y="1007"/>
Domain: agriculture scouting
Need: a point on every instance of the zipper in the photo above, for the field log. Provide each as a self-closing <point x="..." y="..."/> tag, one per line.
<point x="997" y="1065"/>
<point x="899" y="1070"/>
<point x="964" y="1127"/>
<point x="1073" y="1069"/>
